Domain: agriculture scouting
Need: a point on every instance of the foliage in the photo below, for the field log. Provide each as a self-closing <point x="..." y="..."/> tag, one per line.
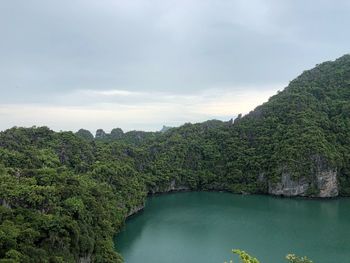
<point x="295" y="259"/>
<point x="63" y="195"/>
<point x="246" y="258"/>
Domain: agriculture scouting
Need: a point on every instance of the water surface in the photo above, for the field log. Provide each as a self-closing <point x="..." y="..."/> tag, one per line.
<point x="203" y="227"/>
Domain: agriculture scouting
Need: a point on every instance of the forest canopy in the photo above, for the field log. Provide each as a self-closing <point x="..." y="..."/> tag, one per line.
<point x="63" y="195"/>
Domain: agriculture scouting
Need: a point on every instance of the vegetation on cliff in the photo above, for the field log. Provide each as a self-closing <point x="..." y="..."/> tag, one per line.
<point x="64" y="195"/>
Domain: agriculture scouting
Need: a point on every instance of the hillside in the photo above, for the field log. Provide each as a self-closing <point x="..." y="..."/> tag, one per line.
<point x="297" y="143"/>
<point x="302" y="133"/>
<point x="63" y="195"/>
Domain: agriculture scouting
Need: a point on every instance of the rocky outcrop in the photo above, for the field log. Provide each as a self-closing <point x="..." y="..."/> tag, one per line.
<point x="135" y="210"/>
<point x="289" y="187"/>
<point x="4" y="203"/>
<point x="326" y="178"/>
<point x="327" y="183"/>
<point x="172" y="187"/>
<point x="165" y="129"/>
<point x="322" y="182"/>
<point x="85" y="259"/>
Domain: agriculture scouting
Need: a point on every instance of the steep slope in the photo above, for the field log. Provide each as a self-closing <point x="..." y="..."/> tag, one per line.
<point x="301" y="135"/>
<point x="64" y="195"/>
<point x="297" y="143"/>
<point x="62" y="198"/>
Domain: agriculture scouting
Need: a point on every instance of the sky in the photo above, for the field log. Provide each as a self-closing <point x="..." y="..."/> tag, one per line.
<point x="142" y="64"/>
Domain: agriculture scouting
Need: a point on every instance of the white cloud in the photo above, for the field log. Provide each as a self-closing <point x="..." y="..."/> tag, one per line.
<point x="115" y="92"/>
<point x="135" y="110"/>
<point x="140" y="64"/>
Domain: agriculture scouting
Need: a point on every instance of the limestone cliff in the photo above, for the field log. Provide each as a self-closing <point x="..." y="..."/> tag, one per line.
<point x="289" y="187"/>
<point x="327" y="183"/>
<point x="135" y="210"/>
<point x="323" y="182"/>
<point x="85" y="259"/>
<point x="172" y="187"/>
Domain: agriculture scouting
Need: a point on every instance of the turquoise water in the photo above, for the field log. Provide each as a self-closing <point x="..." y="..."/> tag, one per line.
<point x="203" y="227"/>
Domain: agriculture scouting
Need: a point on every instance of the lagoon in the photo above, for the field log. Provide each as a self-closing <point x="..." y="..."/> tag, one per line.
<point x="203" y="227"/>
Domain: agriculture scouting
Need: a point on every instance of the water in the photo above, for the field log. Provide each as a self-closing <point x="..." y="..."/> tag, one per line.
<point x="203" y="227"/>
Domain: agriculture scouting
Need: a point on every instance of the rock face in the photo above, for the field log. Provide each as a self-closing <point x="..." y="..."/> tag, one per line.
<point x="4" y="203"/>
<point x="135" y="210"/>
<point x="327" y="183"/>
<point x="322" y="183"/>
<point x="165" y="128"/>
<point x="288" y="187"/>
<point x="85" y="259"/>
<point x="171" y="188"/>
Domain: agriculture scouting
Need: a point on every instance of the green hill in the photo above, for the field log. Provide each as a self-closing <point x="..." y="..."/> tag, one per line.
<point x="63" y="195"/>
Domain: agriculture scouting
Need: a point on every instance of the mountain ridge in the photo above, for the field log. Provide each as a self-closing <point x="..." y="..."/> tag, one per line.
<point x="63" y="195"/>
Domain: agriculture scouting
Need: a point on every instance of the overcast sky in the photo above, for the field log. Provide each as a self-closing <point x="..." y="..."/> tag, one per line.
<point x="139" y="64"/>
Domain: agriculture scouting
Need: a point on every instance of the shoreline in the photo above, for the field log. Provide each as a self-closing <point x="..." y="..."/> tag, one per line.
<point x="140" y="208"/>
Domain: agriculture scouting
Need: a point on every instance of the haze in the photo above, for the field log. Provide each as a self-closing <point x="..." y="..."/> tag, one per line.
<point x="143" y="64"/>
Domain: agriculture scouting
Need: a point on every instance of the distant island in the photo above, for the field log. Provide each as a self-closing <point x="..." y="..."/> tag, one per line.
<point x="64" y="195"/>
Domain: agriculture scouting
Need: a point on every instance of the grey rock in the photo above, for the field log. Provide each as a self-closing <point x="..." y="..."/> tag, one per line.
<point x="85" y="259"/>
<point x="135" y="210"/>
<point x="289" y="187"/>
<point x="4" y="203"/>
<point x="327" y="183"/>
<point x="165" y="128"/>
<point x="323" y="178"/>
<point x="172" y="187"/>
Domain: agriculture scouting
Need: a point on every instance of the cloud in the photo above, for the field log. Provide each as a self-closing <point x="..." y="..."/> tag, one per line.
<point x="134" y="110"/>
<point x="170" y="55"/>
<point x="113" y="92"/>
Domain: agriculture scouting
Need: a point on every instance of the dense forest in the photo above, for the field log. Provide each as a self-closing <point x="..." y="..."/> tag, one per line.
<point x="63" y="195"/>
